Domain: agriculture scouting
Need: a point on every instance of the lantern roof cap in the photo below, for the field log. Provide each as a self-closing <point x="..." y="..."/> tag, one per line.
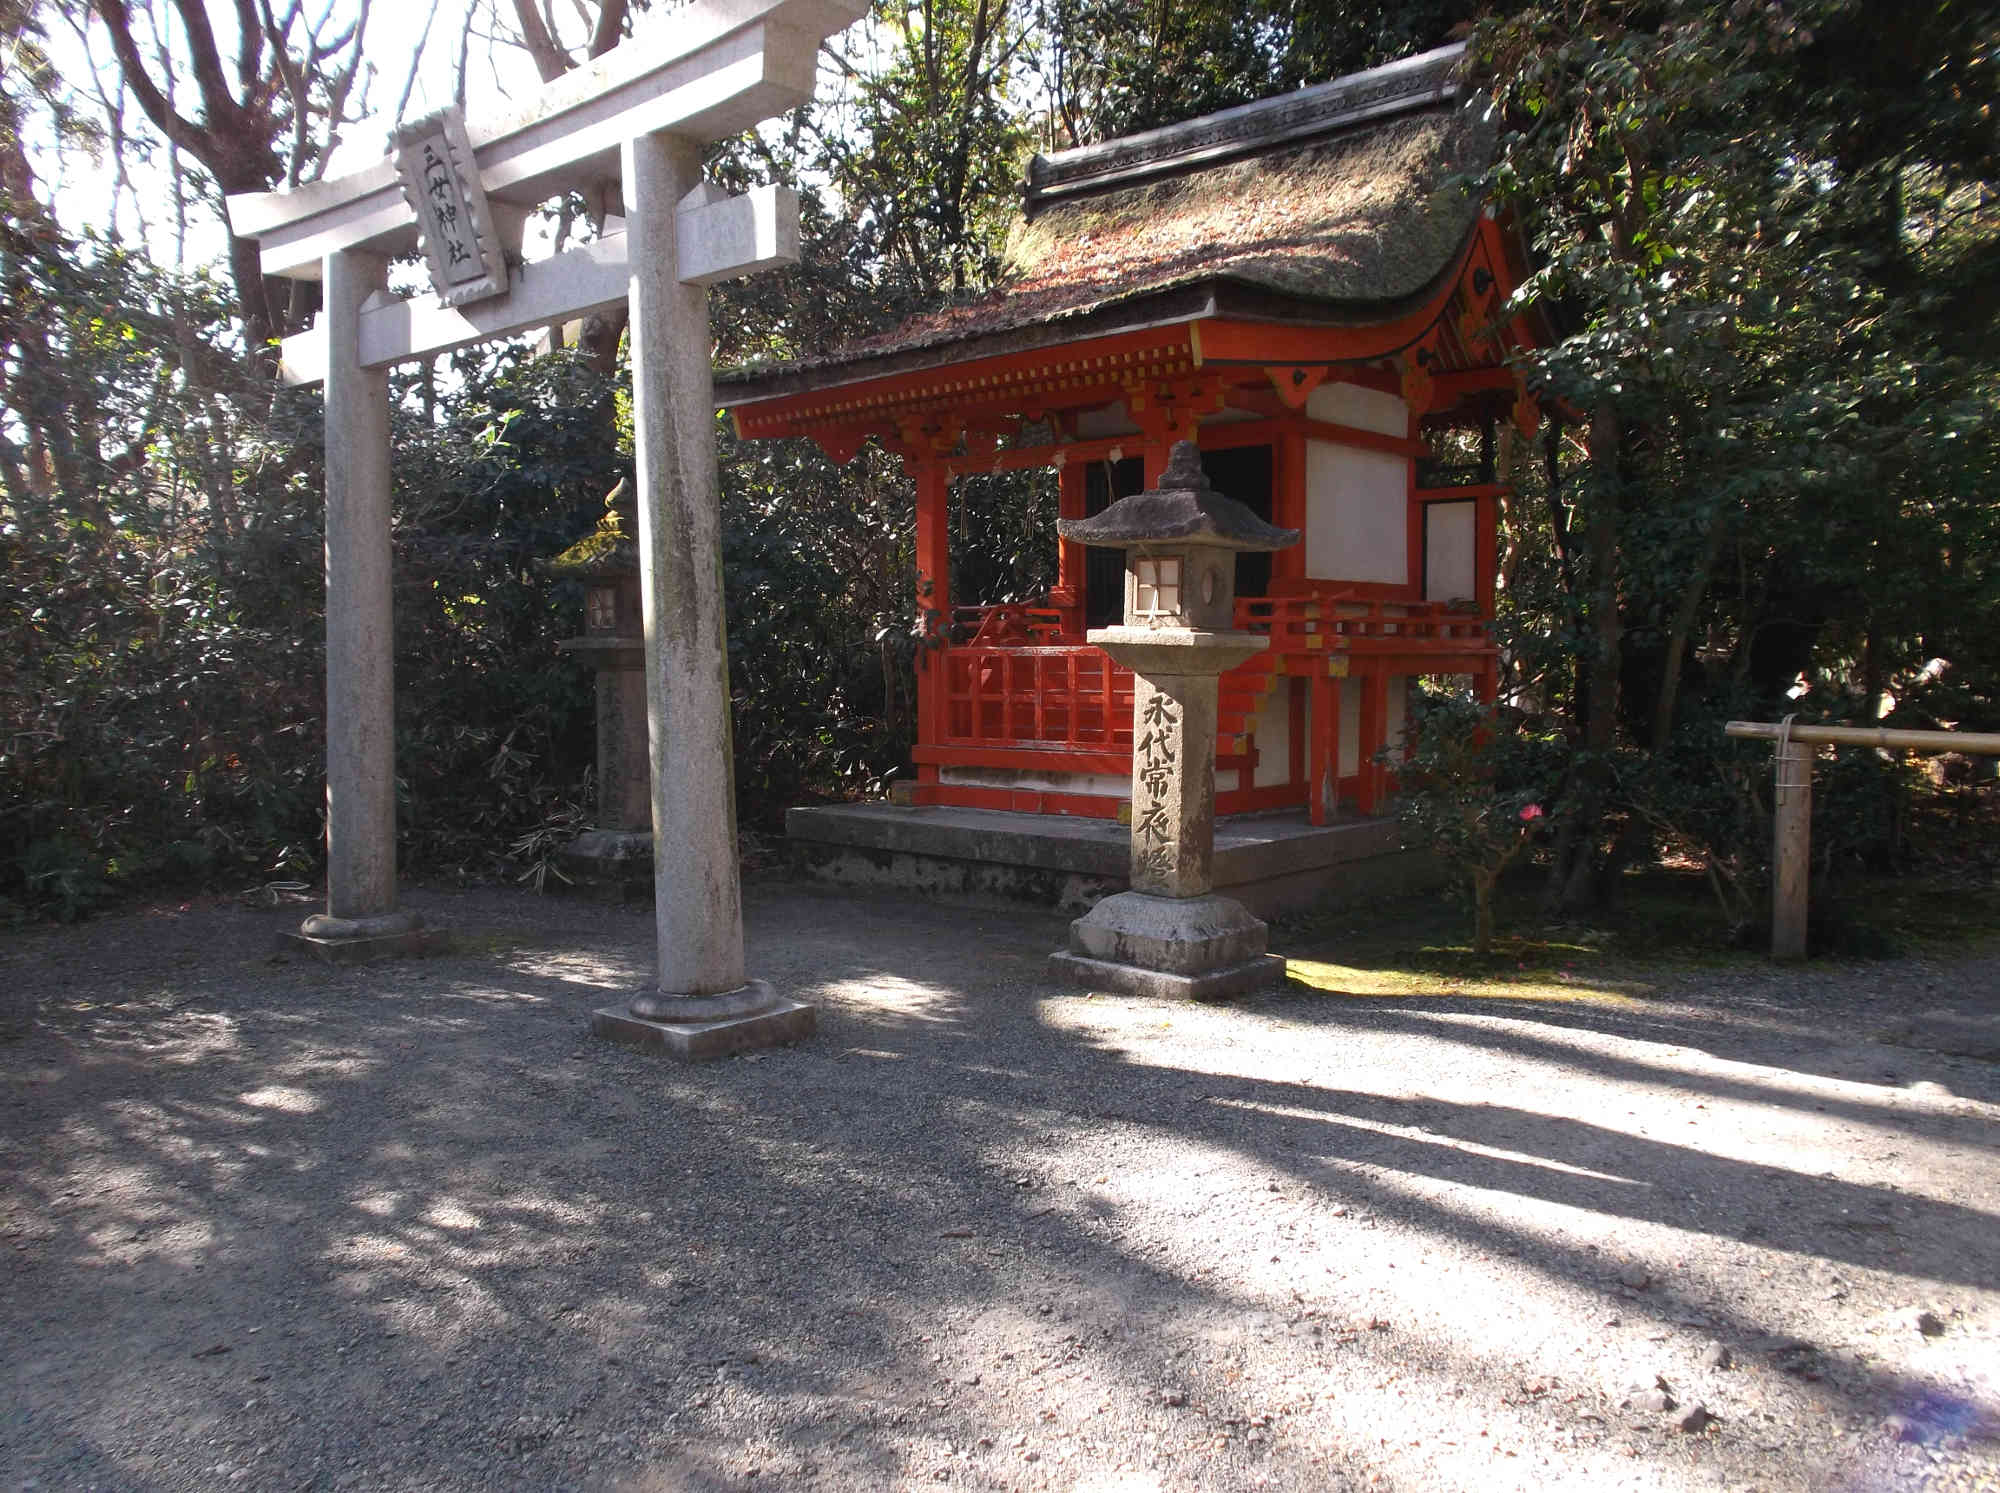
<point x="609" y="551"/>
<point x="1184" y="509"/>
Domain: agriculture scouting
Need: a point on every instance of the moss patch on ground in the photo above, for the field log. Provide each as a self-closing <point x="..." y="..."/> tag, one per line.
<point x="1662" y="923"/>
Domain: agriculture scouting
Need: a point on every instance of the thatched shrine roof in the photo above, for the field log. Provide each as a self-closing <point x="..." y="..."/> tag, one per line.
<point x="1336" y="204"/>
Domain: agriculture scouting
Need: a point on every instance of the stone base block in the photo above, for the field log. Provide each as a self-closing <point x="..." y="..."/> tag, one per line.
<point x="1262" y="973"/>
<point x="696" y="1041"/>
<point x="412" y="943"/>
<point x="1176" y="935"/>
<point x="1182" y="948"/>
<point x="608" y="865"/>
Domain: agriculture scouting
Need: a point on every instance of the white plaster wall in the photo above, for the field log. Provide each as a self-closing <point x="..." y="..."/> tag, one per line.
<point x="1112" y="419"/>
<point x="1365" y="409"/>
<point x="1357" y="514"/>
<point x="1029" y="782"/>
<point x="1349" y="759"/>
<point x="1350" y="728"/>
<point x="1273" y="730"/>
<point x="1451" y="538"/>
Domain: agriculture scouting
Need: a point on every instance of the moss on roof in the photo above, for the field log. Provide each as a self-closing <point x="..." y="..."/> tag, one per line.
<point x="1366" y="218"/>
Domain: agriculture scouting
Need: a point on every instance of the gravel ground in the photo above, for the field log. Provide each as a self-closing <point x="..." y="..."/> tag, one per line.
<point x="407" y="1226"/>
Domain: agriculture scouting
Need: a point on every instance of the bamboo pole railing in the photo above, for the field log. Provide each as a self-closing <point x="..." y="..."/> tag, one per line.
<point x="1791" y="828"/>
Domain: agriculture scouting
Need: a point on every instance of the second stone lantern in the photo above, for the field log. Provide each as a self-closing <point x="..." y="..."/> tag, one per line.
<point x="1171" y="934"/>
<point x="614" y="858"/>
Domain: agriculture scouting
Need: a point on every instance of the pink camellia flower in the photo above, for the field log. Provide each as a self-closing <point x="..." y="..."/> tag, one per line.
<point x="1531" y="813"/>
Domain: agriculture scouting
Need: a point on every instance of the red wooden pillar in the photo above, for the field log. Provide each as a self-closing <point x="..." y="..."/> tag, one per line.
<point x="933" y="604"/>
<point x="1296" y="769"/>
<point x="1071" y="570"/>
<point x="1288" y="503"/>
<point x="1486" y="571"/>
<point x="1374" y="736"/>
<point x="1157" y="433"/>
<point x="1323" y="758"/>
<point x="1486" y="551"/>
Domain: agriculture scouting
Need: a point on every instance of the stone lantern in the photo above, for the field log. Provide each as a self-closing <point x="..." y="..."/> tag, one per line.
<point x="614" y="858"/>
<point x="1171" y="934"/>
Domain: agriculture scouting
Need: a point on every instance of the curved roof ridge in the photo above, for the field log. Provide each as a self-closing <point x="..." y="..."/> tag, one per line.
<point x="1418" y="82"/>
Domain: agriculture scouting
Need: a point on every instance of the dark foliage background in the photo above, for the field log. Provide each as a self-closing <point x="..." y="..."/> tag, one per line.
<point x="1767" y="233"/>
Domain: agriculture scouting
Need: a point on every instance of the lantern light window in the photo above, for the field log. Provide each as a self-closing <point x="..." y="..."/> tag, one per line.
<point x="601" y="609"/>
<point x="1158" y="585"/>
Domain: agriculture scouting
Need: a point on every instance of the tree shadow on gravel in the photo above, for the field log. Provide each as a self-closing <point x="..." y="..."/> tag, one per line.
<point x="1762" y="1071"/>
<point x="1591" y="1167"/>
<point x="411" y="1227"/>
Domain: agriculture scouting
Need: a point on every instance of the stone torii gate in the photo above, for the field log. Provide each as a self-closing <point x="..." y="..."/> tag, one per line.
<point x="634" y="121"/>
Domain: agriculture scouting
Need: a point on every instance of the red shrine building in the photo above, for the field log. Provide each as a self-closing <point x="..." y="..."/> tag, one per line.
<point x="1302" y="287"/>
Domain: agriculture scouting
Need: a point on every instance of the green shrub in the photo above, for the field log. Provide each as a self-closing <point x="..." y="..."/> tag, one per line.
<point x="1475" y="790"/>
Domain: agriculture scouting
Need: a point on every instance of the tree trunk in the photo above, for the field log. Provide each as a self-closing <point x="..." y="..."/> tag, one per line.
<point x="1678" y="633"/>
<point x="1575" y="872"/>
<point x="1871" y="677"/>
<point x="601" y="336"/>
<point x="1601" y="731"/>
<point x="1558" y="511"/>
<point x="261" y="325"/>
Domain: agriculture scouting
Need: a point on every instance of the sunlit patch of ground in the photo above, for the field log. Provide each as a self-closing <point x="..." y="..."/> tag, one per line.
<point x="1537" y="985"/>
<point x="893" y="995"/>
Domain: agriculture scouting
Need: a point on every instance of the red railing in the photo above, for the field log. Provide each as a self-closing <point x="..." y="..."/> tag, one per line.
<point x="1012" y="678"/>
<point x="1007" y="626"/>
<point x="1063" y="695"/>
<point x="1318" y="621"/>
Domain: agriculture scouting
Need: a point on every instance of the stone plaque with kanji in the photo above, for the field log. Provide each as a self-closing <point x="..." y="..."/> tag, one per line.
<point x="440" y="180"/>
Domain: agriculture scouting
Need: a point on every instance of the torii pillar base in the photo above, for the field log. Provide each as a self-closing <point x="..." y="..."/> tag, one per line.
<point x="1207" y="948"/>
<point x="395" y="935"/>
<point x="695" y="1028"/>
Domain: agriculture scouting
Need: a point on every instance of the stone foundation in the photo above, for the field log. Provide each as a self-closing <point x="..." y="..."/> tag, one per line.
<point x="1271" y="863"/>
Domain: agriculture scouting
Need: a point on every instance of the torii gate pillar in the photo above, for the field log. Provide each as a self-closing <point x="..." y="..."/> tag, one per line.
<point x="361" y="919"/>
<point x="704" y="1004"/>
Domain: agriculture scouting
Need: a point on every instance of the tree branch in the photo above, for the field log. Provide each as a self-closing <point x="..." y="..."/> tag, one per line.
<point x="118" y="22"/>
<point x="249" y="46"/>
<point x="610" y="26"/>
<point x="550" y="60"/>
<point x="219" y="107"/>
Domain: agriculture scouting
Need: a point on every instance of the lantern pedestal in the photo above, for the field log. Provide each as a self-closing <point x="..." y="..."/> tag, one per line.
<point x="391" y="935"/>
<point x="1179" y="948"/>
<point x="612" y="865"/>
